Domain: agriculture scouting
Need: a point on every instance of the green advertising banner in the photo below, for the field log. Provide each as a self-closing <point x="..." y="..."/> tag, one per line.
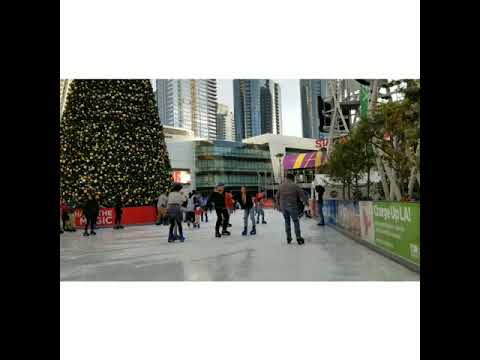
<point x="364" y="90"/>
<point x="397" y="228"/>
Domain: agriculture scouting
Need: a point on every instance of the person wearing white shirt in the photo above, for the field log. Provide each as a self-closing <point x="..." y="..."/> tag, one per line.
<point x="174" y="212"/>
<point x="162" y="209"/>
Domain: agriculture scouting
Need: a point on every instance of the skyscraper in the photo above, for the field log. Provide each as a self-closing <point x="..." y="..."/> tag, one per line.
<point x="189" y="104"/>
<point x="310" y="91"/>
<point x="267" y="107"/>
<point x="225" y="123"/>
<point x="278" y="109"/>
<point x="212" y="105"/>
<point x="257" y="107"/>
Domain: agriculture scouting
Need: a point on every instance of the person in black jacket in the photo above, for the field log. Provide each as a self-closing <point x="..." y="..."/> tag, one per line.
<point x="246" y="203"/>
<point x="118" y="212"/>
<point x="320" y="190"/>
<point x="91" y="209"/>
<point x="218" y="199"/>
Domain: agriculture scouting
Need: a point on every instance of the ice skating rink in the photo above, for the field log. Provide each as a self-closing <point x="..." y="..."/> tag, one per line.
<point x="142" y="253"/>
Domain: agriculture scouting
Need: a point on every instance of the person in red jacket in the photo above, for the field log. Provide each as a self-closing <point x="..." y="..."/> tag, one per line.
<point x="198" y="214"/>
<point x="260" y="204"/>
<point x="64" y="211"/>
<point x="229" y="203"/>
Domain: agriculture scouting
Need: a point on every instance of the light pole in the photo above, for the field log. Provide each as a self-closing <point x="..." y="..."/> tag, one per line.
<point x="258" y="182"/>
<point x="279" y="156"/>
<point x="265" y="182"/>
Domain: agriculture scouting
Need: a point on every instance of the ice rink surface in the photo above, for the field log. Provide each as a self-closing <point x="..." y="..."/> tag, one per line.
<point x="142" y="253"/>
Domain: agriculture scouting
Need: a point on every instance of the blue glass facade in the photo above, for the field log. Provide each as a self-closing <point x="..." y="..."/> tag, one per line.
<point x="310" y="90"/>
<point x="256" y="126"/>
<point x="256" y="107"/>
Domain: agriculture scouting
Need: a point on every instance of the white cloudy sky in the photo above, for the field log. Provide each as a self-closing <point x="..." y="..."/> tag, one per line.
<point x="291" y="110"/>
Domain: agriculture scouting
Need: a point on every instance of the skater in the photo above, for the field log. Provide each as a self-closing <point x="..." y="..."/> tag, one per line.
<point x="307" y="210"/>
<point x="91" y="209"/>
<point x="260" y="198"/>
<point x="320" y="190"/>
<point x="162" y="209"/>
<point x="217" y="198"/>
<point x="67" y="213"/>
<point x="61" y="222"/>
<point x="97" y="210"/>
<point x="198" y="214"/>
<point x="64" y="210"/>
<point x="203" y="204"/>
<point x="210" y="206"/>
<point x="190" y="209"/>
<point x="174" y="203"/>
<point x="229" y="204"/>
<point x="286" y="200"/>
<point x="71" y="218"/>
<point x="118" y="212"/>
<point x="246" y="203"/>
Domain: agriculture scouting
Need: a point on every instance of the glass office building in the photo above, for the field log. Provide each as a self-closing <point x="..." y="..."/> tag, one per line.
<point x="225" y="124"/>
<point x="257" y="107"/>
<point x="310" y="91"/>
<point x="235" y="164"/>
<point x="189" y="104"/>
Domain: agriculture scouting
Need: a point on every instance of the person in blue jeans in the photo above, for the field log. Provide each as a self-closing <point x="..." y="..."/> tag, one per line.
<point x="204" y="206"/>
<point x="287" y="201"/>
<point x="246" y="203"/>
<point x="260" y="202"/>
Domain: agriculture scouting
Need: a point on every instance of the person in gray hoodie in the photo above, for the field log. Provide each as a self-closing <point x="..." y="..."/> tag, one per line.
<point x="287" y="198"/>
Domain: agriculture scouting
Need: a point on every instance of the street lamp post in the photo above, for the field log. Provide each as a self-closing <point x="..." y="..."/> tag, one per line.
<point x="258" y="182"/>
<point x="265" y="182"/>
<point x="279" y="156"/>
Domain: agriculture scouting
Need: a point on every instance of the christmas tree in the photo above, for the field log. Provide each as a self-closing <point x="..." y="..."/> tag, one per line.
<point x="112" y="143"/>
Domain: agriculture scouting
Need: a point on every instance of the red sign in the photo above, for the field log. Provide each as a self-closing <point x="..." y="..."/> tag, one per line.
<point x="321" y="143"/>
<point x="130" y="216"/>
<point x="105" y="217"/>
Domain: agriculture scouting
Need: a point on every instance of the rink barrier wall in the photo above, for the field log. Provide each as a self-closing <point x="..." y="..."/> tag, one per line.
<point x="390" y="228"/>
<point x="142" y="215"/>
<point x="388" y="254"/>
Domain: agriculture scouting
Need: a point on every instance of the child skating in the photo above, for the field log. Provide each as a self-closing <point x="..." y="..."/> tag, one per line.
<point x="198" y="216"/>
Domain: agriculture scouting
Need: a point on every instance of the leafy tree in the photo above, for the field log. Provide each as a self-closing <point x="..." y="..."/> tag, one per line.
<point x="389" y="138"/>
<point x="394" y="128"/>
